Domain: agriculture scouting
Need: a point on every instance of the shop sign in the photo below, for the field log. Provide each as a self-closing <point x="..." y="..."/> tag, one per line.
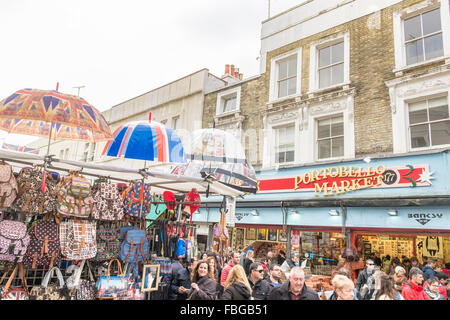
<point x="230" y="203"/>
<point x="424" y="218"/>
<point x="342" y="179"/>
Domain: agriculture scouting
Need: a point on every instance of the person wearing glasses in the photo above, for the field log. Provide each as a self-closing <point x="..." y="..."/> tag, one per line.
<point x="274" y="276"/>
<point x="260" y="287"/>
<point x="365" y="283"/>
<point x="293" y="289"/>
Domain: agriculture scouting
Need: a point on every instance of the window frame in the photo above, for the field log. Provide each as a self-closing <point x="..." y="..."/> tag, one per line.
<point x="428" y="123"/>
<point x="316" y="140"/>
<point x="399" y="18"/>
<point x="223" y="96"/>
<point x="274" y="72"/>
<point x="314" y="79"/>
<point x="277" y="145"/>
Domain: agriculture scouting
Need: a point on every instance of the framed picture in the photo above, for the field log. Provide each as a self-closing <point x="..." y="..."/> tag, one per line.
<point x="150" y="277"/>
<point x="262" y="234"/>
<point x="250" y="234"/>
<point x="282" y="236"/>
<point x="273" y="234"/>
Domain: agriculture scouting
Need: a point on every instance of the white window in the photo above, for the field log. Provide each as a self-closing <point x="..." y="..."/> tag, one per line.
<point x="331" y="65"/>
<point x="228" y="101"/>
<point x="66" y="154"/>
<point x="429" y="123"/>
<point x="84" y="157"/>
<point x="421" y="34"/>
<point x="330" y="62"/>
<point x="330" y="137"/>
<point x="285" y="144"/>
<point x="423" y="37"/>
<point x="285" y="75"/>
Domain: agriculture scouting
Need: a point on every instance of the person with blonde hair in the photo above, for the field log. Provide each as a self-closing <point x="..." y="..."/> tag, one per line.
<point x="248" y="260"/>
<point x="237" y="286"/>
<point x="344" y="287"/>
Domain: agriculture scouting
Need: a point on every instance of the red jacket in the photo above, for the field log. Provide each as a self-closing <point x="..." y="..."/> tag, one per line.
<point x="412" y="291"/>
<point x="225" y="271"/>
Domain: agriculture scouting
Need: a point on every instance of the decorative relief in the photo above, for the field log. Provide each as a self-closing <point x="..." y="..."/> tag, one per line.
<point x="279" y="117"/>
<point x="422" y="87"/>
<point x="327" y="108"/>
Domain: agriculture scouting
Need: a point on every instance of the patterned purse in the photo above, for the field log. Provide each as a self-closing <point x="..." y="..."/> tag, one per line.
<point x="137" y="199"/>
<point x="52" y="291"/>
<point x="74" y="197"/>
<point x="8" y="185"/>
<point x="83" y="289"/>
<point x="108" y="242"/>
<point x="108" y="204"/>
<point x="14" y="293"/>
<point x="78" y="240"/>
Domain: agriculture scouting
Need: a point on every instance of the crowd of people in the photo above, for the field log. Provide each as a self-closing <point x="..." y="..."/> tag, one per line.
<point x="240" y="277"/>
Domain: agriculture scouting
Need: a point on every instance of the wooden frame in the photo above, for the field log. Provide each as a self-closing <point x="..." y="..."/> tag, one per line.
<point x="153" y="270"/>
<point x="250" y="234"/>
<point x="282" y="236"/>
<point x="272" y="235"/>
<point x="262" y="234"/>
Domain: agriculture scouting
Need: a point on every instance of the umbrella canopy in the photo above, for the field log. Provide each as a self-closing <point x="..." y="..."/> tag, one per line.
<point x="219" y="154"/>
<point x="37" y="112"/>
<point x="144" y="140"/>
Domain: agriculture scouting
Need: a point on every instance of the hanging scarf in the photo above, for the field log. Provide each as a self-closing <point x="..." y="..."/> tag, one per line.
<point x="432" y="295"/>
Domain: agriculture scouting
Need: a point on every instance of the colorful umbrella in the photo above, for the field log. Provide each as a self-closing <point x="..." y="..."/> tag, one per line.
<point x="219" y="154"/>
<point x="146" y="140"/>
<point x="44" y="112"/>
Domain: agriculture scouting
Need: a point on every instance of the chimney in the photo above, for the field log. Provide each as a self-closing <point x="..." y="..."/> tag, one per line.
<point x="227" y="69"/>
<point x="232" y="70"/>
<point x="241" y="75"/>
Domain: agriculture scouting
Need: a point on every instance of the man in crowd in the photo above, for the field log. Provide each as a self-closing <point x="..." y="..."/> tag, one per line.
<point x="365" y="282"/>
<point x="260" y="287"/>
<point x="428" y="269"/>
<point x="181" y="282"/>
<point x="412" y="289"/>
<point x="294" y="289"/>
<point x="274" y="278"/>
<point x="345" y="272"/>
<point x="174" y="268"/>
<point x="235" y="256"/>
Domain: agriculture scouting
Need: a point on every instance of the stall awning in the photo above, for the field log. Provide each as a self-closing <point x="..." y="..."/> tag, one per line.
<point x="159" y="180"/>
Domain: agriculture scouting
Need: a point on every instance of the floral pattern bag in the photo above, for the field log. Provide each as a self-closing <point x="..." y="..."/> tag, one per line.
<point x="15" y="293"/>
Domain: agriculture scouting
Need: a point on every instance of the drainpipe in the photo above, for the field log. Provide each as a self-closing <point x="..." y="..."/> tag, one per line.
<point x="344" y="231"/>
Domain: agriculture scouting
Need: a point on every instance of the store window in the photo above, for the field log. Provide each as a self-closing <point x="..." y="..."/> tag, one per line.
<point x="429" y="122"/>
<point x="330" y="137"/>
<point x="320" y="249"/>
<point x="423" y="37"/>
<point x="285" y="144"/>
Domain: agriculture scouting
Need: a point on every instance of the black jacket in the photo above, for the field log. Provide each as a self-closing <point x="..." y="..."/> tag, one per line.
<point x="236" y="291"/>
<point x="261" y="289"/>
<point x="181" y="279"/>
<point x="282" y="293"/>
<point x="207" y="289"/>
<point x="247" y="263"/>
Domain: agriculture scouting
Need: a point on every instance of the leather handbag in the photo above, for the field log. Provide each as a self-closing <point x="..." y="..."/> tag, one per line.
<point x="112" y="287"/>
<point x="14" y="293"/>
<point x="52" y="291"/>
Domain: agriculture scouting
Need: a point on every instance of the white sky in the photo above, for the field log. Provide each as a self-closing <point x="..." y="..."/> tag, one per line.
<point x="121" y="49"/>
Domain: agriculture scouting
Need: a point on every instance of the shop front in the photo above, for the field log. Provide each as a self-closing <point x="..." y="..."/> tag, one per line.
<point x="389" y="205"/>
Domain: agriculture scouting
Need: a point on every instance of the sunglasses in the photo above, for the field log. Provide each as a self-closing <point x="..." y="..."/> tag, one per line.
<point x="260" y="271"/>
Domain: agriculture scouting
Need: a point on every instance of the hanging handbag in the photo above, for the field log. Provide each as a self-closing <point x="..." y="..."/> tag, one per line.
<point x="108" y="203"/>
<point x="74" y="196"/>
<point x="137" y="199"/>
<point x="14" y="240"/>
<point x="82" y="289"/>
<point x="78" y="240"/>
<point x="8" y="185"/>
<point x="14" y="293"/>
<point x="112" y="287"/>
<point x="52" y="291"/>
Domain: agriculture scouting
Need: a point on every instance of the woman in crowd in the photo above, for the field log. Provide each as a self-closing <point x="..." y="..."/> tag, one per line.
<point x="248" y="260"/>
<point x="399" y="278"/>
<point x="385" y="288"/>
<point x="431" y="289"/>
<point x="213" y="270"/>
<point x="237" y="286"/>
<point x="344" y="287"/>
<point x="203" y="287"/>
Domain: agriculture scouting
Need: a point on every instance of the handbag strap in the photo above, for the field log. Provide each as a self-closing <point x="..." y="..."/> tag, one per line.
<point x="11" y="278"/>
<point x="119" y="271"/>
<point x="49" y="274"/>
